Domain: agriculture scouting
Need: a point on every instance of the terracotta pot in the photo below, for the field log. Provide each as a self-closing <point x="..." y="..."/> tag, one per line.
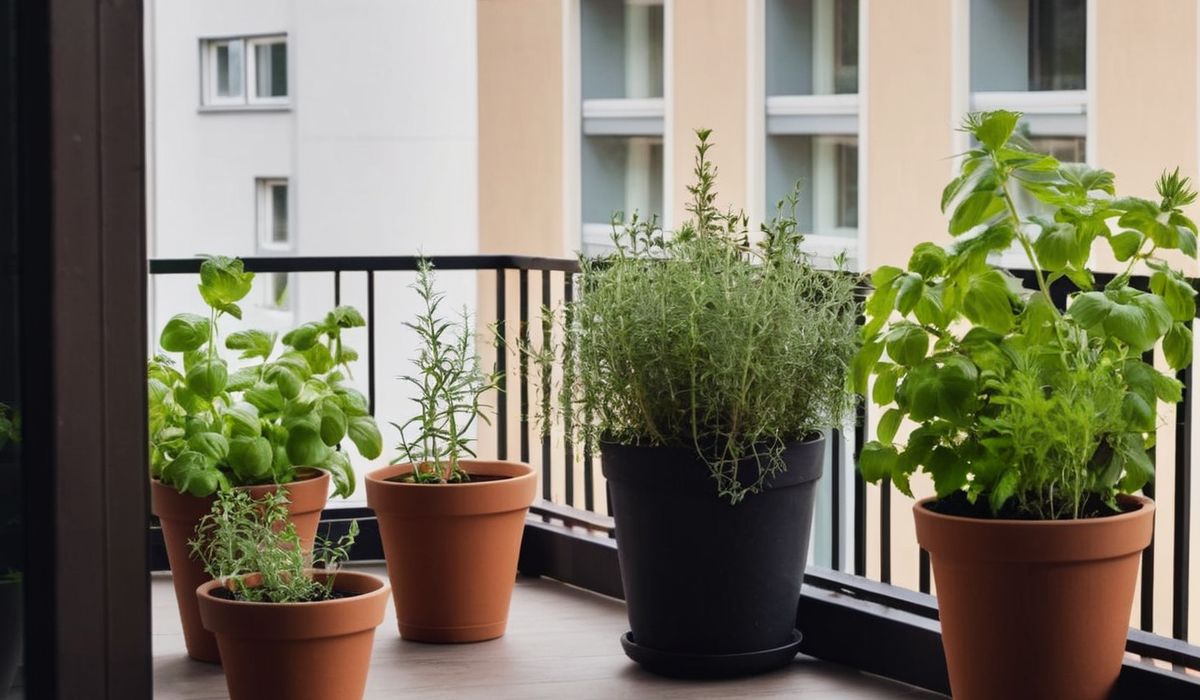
<point x="179" y="513"/>
<point x="297" y="651"/>
<point x="452" y="549"/>
<point x="1035" y="608"/>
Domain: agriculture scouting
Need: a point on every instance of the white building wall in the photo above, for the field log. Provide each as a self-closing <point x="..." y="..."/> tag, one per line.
<point x="379" y="144"/>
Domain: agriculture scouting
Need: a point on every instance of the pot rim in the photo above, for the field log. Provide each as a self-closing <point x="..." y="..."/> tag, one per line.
<point x="921" y="510"/>
<point x="380" y="476"/>
<point x="808" y="440"/>
<point x="309" y="474"/>
<point x="205" y="590"/>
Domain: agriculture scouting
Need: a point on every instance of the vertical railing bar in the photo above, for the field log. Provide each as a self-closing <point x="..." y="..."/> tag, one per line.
<point x="923" y="572"/>
<point x="860" y="490"/>
<point x="501" y="366"/>
<point x="371" y="340"/>
<point x="885" y="530"/>
<point x="568" y="426"/>
<point x="835" y="499"/>
<point x="547" y="462"/>
<point x="1147" y="593"/>
<point x="523" y="328"/>
<point x="1183" y="508"/>
<point x="337" y="287"/>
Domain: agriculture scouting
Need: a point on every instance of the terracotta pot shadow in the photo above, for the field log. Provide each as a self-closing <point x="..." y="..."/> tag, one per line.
<point x="179" y="513"/>
<point x="452" y="549"/>
<point x="1035" y="609"/>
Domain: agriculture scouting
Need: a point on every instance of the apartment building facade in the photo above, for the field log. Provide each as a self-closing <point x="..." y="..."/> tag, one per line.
<point x="858" y="100"/>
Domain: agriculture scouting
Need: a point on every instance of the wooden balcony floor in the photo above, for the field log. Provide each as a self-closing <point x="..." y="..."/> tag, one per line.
<point x="561" y="643"/>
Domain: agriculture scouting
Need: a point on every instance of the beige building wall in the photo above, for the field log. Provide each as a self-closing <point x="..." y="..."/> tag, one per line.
<point x="708" y="89"/>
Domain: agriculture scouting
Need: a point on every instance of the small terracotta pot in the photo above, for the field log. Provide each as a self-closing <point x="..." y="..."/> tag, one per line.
<point x="452" y="549"/>
<point x="1035" y="608"/>
<point x="179" y="513"/>
<point x="297" y="651"/>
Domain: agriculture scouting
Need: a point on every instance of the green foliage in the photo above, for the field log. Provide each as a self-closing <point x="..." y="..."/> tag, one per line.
<point x="1044" y="413"/>
<point x="252" y="548"/>
<point x="450" y="386"/>
<point x="10" y="426"/>
<point x="212" y="429"/>
<point x="706" y="341"/>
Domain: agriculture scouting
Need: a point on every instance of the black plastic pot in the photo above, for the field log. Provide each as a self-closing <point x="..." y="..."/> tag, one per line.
<point x="10" y="633"/>
<point x="711" y="588"/>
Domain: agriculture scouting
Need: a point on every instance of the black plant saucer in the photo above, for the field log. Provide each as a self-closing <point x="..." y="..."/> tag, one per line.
<point x="677" y="665"/>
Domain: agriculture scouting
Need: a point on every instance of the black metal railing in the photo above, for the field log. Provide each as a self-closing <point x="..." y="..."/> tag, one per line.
<point x="569" y="535"/>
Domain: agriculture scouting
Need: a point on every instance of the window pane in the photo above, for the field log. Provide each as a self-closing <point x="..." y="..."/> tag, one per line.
<point x="847" y="186"/>
<point x="270" y="62"/>
<point x="621" y="49"/>
<point x="1057" y="44"/>
<point x="845" y="67"/>
<point x="811" y="47"/>
<point x="279" y="213"/>
<point x="621" y="175"/>
<point x="229" y="69"/>
<point x="1019" y="45"/>
<point x="822" y="173"/>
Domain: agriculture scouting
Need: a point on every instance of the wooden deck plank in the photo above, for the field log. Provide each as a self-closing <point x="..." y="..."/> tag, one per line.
<point x="561" y="643"/>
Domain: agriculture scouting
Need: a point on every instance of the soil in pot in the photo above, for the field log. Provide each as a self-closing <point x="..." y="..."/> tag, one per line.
<point x="1035" y="608"/>
<point x="712" y="589"/>
<point x="452" y="549"/>
<point x="299" y="651"/>
<point x="179" y="513"/>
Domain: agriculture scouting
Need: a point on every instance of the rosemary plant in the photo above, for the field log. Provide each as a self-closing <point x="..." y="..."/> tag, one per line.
<point x="704" y="340"/>
<point x="450" y="385"/>
<point x="252" y="548"/>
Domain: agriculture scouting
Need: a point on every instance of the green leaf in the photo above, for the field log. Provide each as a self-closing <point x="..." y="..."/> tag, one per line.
<point x="1126" y="244"/>
<point x="927" y="260"/>
<point x="333" y="423"/>
<point x="252" y="343"/>
<point x="207" y="377"/>
<point x="285" y="379"/>
<point x="889" y="423"/>
<point x="305" y="447"/>
<point x="988" y="301"/>
<point x="1137" y="412"/>
<point x="884" y="390"/>
<point x="948" y="470"/>
<point x="242" y="419"/>
<point x="319" y="359"/>
<point x="1139" y="469"/>
<point x="345" y="317"/>
<point x="184" y="333"/>
<point x="341" y="472"/>
<point x="211" y="445"/>
<point x="909" y="293"/>
<point x="355" y="404"/>
<point x="304" y="336"/>
<point x="948" y="391"/>
<point x="860" y="368"/>
<point x="193" y="473"/>
<point x="251" y="458"/>
<point x="1167" y="388"/>
<point x="224" y="281"/>
<point x="907" y="344"/>
<point x="876" y="461"/>
<point x="995" y="128"/>
<point x="1177" y="346"/>
<point x="1059" y="247"/>
<point x="1140" y="322"/>
<point x="1091" y="308"/>
<point x="1004" y="489"/>
<point x="265" y="397"/>
<point x="364" y="433"/>
<point x="242" y="379"/>
<point x="1176" y="292"/>
<point x="975" y="209"/>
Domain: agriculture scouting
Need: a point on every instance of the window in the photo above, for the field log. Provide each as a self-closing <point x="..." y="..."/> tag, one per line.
<point x="825" y="168"/>
<point x="1067" y="149"/>
<point x="622" y="49"/>
<point x="812" y="47"/>
<point x="1028" y="45"/>
<point x="244" y="72"/>
<point x="621" y="175"/>
<point x="274" y="238"/>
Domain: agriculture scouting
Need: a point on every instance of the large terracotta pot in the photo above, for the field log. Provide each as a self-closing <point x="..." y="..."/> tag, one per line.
<point x="179" y="513"/>
<point x="1035" y="609"/>
<point x="297" y="651"/>
<point x="452" y="549"/>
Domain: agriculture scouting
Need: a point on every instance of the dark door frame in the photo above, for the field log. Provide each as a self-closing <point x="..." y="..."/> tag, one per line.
<point x="76" y="120"/>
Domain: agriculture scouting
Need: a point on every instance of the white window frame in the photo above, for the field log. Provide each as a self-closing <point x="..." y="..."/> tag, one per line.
<point x="251" y="61"/>
<point x="264" y="243"/>
<point x="247" y="100"/>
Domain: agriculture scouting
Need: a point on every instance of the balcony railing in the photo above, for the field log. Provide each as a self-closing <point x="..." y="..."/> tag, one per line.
<point x="881" y="628"/>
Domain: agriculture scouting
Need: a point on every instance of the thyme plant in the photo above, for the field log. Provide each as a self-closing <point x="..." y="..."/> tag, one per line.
<point x="251" y="546"/>
<point x="1021" y="408"/>
<point x="449" y="384"/>
<point x="211" y="429"/>
<point x="703" y="340"/>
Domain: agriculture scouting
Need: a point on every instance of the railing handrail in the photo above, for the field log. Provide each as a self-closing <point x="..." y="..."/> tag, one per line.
<point x="373" y="263"/>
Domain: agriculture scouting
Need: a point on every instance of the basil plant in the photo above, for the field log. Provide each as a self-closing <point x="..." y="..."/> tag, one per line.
<point x="1020" y="408"/>
<point x="213" y="429"/>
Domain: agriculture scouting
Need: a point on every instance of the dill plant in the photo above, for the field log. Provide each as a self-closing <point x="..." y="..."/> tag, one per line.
<point x="1022" y="409"/>
<point x="251" y="546"/>
<point x="449" y="384"/>
<point x="704" y="340"/>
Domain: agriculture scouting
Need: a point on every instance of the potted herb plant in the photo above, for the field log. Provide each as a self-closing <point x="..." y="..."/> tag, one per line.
<point x="705" y="367"/>
<point x="275" y="423"/>
<point x="1033" y="422"/>
<point x="285" y="629"/>
<point x="451" y="525"/>
<point x="11" y="599"/>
